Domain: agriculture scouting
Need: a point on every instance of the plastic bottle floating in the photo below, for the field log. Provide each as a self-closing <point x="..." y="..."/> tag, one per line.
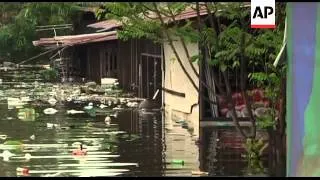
<point x="79" y="152"/>
<point x="177" y="161"/>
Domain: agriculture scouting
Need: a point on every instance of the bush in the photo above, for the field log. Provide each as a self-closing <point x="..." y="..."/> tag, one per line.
<point x="49" y="75"/>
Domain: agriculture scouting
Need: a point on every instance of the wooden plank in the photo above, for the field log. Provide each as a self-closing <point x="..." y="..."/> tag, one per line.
<point x="223" y="124"/>
<point x="174" y="92"/>
<point x="151" y="55"/>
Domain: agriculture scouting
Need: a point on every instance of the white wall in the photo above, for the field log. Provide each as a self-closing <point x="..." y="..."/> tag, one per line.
<point x="179" y="108"/>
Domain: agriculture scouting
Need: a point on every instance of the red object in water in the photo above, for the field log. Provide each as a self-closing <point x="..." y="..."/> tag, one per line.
<point x="24" y="171"/>
<point x="79" y="152"/>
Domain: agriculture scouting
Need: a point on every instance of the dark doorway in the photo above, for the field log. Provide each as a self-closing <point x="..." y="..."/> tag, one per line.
<point x="83" y="60"/>
<point x="150" y="76"/>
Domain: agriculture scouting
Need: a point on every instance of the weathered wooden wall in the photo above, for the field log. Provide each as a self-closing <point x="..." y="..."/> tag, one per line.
<point x="116" y="59"/>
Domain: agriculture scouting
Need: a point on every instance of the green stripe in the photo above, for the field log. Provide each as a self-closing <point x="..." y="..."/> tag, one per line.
<point x="289" y="86"/>
<point x="312" y="123"/>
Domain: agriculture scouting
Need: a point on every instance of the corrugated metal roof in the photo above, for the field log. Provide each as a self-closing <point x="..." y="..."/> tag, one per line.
<point x="109" y="24"/>
<point x="106" y="25"/>
<point x="76" y="39"/>
<point x="187" y="14"/>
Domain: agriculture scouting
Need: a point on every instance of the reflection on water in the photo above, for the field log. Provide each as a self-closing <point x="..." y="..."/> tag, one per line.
<point x="132" y="144"/>
<point x="222" y="158"/>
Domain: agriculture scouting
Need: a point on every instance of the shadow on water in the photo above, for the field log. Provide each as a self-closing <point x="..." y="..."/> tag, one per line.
<point x="224" y="159"/>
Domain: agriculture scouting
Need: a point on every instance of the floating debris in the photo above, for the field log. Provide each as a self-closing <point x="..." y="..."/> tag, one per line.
<point x="199" y="173"/>
<point x="52" y="101"/>
<point x="102" y="106"/>
<point x="24" y="170"/>
<point x="33" y="137"/>
<point x="3" y="136"/>
<point x="50" y="111"/>
<point x="6" y="155"/>
<point x="51" y="125"/>
<point x="76" y="144"/>
<point x="89" y="107"/>
<point x="53" y="175"/>
<point x="177" y="161"/>
<point x="107" y="120"/>
<point x="79" y="152"/>
<point x="27" y="114"/>
<point x="15" y="102"/>
<point x="132" y="104"/>
<point x="75" y="112"/>
<point x="27" y="156"/>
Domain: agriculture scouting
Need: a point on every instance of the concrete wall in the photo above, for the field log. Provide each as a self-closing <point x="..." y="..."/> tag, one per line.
<point x="179" y="108"/>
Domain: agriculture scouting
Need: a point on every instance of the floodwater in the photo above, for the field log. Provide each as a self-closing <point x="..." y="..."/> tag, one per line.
<point x="133" y="144"/>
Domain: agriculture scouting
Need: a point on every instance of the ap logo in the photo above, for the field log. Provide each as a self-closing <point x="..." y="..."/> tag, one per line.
<point x="263" y="14"/>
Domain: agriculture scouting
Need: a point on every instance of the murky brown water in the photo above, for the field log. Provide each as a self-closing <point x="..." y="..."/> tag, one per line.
<point x="134" y="144"/>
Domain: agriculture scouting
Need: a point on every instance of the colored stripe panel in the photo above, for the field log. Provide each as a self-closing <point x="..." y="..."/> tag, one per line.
<point x="303" y="87"/>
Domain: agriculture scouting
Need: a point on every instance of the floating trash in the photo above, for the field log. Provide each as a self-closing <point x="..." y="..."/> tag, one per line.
<point x="107" y="120"/>
<point x="89" y="107"/>
<point x="102" y="106"/>
<point x="25" y="99"/>
<point x="79" y="152"/>
<point x="24" y="170"/>
<point x="50" y="111"/>
<point x="27" y="114"/>
<point x="67" y="156"/>
<point x="33" y="137"/>
<point x="6" y="155"/>
<point x="15" y="102"/>
<point x="51" y="125"/>
<point x="53" y="175"/>
<point x="3" y="136"/>
<point x="27" y="156"/>
<point x="75" y="112"/>
<point x="76" y="144"/>
<point x="52" y="101"/>
<point x="177" y="161"/>
<point x="199" y="173"/>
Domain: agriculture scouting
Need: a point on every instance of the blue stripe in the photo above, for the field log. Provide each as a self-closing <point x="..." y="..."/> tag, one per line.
<point x="304" y="40"/>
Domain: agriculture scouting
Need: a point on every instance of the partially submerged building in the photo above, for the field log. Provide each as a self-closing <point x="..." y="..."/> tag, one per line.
<point x="142" y="67"/>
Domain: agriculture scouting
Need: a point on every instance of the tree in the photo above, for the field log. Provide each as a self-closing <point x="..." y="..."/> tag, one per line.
<point x="226" y="46"/>
<point x="17" y="34"/>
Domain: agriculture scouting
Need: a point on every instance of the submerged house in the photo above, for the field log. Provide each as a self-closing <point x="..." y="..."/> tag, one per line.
<point x="142" y="67"/>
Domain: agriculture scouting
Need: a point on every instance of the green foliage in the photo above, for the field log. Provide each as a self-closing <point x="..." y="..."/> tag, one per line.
<point x="254" y="150"/>
<point x="49" y="75"/>
<point x="18" y="32"/>
<point x="265" y="121"/>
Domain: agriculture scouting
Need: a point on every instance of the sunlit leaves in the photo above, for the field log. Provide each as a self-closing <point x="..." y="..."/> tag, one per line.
<point x="17" y="35"/>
